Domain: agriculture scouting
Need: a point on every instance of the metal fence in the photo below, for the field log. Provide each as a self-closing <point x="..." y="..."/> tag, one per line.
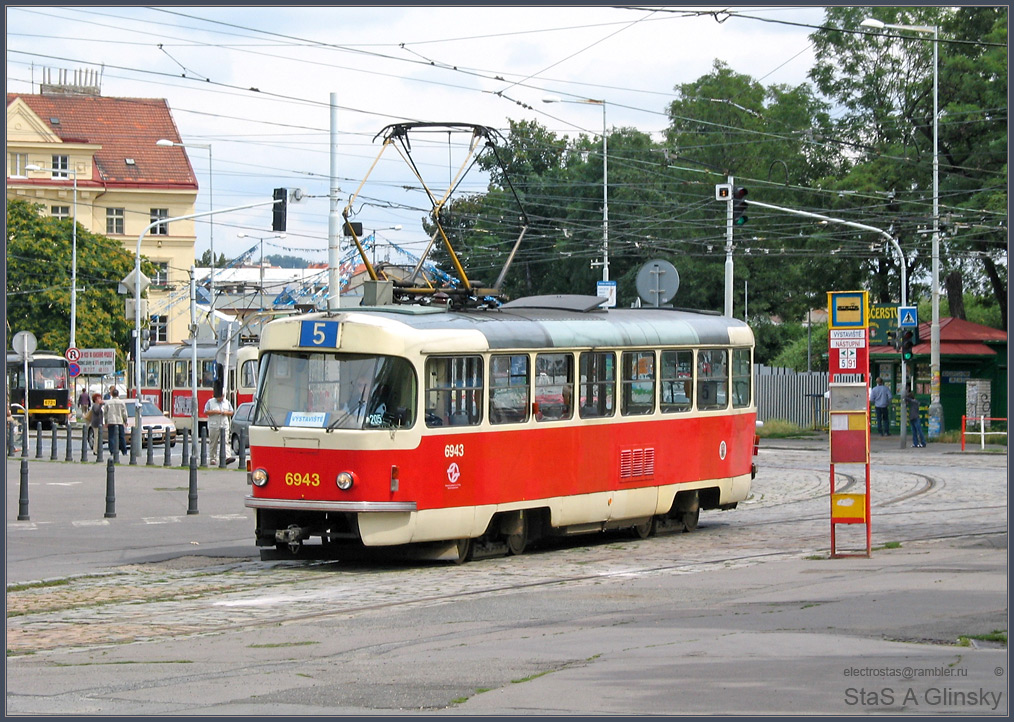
<point x="794" y="396"/>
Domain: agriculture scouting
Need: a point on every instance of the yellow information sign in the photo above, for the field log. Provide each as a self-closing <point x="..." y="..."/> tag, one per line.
<point x="848" y="309"/>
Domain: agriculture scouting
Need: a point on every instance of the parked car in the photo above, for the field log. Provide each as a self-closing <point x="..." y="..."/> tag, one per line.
<point x="161" y="425"/>
<point x="241" y="425"/>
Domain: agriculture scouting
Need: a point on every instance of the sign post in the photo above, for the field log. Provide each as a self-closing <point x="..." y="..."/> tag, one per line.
<point x="849" y="405"/>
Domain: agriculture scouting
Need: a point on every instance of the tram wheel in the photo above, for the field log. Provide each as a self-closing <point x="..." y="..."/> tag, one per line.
<point x="689" y="519"/>
<point x="645" y="530"/>
<point x="464" y="551"/>
<point x="516" y="543"/>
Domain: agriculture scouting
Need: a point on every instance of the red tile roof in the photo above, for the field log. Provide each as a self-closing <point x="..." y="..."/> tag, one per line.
<point x="125" y="128"/>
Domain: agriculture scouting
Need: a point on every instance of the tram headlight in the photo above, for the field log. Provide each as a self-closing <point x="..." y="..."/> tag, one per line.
<point x="259" y="477"/>
<point x="344" y="480"/>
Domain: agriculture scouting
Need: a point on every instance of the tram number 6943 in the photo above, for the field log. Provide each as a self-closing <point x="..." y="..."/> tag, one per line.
<point x="454" y="450"/>
<point x="294" y="478"/>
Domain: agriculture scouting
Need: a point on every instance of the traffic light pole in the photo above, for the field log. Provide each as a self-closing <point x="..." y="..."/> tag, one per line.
<point x="728" y="251"/>
<point x="903" y="420"/>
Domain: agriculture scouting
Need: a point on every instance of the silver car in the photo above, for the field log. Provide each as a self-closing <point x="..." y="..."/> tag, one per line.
<point x="162" y="427"/>
<point x="241" y="425"/>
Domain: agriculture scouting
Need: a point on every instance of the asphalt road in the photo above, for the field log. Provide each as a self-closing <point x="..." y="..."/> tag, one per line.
<point x="162" y="611"/>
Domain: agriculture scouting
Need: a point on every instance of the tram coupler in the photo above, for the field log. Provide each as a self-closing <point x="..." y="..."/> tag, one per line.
<point x="293" y="536"/>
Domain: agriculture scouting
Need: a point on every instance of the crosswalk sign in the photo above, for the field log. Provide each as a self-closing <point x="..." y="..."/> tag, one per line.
<point x="908" y="317"/>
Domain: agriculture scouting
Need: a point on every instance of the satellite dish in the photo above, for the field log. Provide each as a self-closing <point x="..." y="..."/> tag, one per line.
<point x="657" y="282"/>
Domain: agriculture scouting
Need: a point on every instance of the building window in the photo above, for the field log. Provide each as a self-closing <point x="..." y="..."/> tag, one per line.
<point x="61" y="164"/>
<point x="62" y="212"/>
<point x="159" y="329"/>
<point x="156" y="215"/>
<point x="18" y="163"/>
<point x="114" y="221"/>
<point x="161" y="277"/>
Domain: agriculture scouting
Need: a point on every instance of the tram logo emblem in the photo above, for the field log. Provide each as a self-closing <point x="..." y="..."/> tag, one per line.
<point x="722" y="451"/>
<point x="453" y="474"/>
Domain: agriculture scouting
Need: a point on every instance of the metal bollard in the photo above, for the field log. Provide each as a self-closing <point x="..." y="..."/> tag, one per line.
<point x="167" y="450"/>
<point x="192" y="494"/>
<point x="52" y="442"/>
<point x="114" y="442"/>
<point x="243" y="441"/>
<point x="110" y="490"/>
<point x="204" y="446"/>
<point x="185" y="454"/>
<point x="84" y="442"/>
<point x="98" y="444"/>
<point x="135" y="443"/>
<point x="223" y="457"/>
<point x="148" y="442"/>
<point x="70" y="451"/>
<point x="23" y="497"/>
<point x="38" y="439"/>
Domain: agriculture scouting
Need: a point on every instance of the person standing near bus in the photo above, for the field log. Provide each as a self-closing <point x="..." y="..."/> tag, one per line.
<point x="219" y="411"/>
<point x="880" y="397"/>
<point x="116" y="420"/>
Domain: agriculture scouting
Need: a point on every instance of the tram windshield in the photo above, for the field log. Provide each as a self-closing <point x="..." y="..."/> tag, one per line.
<point x="335" y="391"/>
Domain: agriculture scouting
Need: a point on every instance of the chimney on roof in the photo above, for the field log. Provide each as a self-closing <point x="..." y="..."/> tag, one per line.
<point x="84" y="82"/>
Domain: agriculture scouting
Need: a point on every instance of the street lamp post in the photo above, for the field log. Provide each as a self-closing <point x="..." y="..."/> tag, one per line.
<point x="605" y="178"/>
<point x="73" y="251"/>
<point x="936" y="415"/>
<point x="261" y="239"/>
<point x="166" y="143"/>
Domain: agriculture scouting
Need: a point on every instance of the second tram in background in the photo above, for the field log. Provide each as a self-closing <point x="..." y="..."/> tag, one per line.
<point x="48" y="387"/>
<point x="477" y="432"/>
<point x="168" y="382"/>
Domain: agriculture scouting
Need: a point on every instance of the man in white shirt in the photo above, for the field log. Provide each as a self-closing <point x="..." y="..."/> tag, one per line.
<point x="219" y="411"/>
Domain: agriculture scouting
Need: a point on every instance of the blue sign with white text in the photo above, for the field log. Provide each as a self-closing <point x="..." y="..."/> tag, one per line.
<point x="321" y="334"/>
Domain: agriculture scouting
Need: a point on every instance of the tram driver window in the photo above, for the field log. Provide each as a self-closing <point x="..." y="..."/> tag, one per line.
<point x="508" y="389"/>
<point x="554" y="384"/>
<point x="597" y="387"/>
<point x="454" y="390"/>
<point x="677" y="381"/>
<point x="712" y="379"/>
<point x="638" y="383"/>
<point x="742" y="377"/>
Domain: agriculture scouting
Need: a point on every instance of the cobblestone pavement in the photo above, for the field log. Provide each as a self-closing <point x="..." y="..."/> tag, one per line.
<point x="938" y="494"/>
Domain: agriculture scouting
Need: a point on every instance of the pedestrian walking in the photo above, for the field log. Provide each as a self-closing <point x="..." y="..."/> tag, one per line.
<point x="219" y="412"/>
<point x="912" y="406"/>
<point x="880" y="397"/>
<point x="116" y="420"/>
<point x="95" y="421"/>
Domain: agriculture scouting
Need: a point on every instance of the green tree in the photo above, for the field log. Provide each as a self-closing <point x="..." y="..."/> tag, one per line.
<point x="39" y="280"/>
<point x="205" y="260"/>
<point x="883" y="81"/>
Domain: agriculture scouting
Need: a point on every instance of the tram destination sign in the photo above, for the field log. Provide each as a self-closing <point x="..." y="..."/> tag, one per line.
<point x="97" y="361"/>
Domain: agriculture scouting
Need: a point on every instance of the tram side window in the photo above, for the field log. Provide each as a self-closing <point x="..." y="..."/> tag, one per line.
<point x="597" y="388"/>
<point x="207" y="379"/>
<point x="742" y="377"/>
<point x="181" y="375"/>
<point x="508" y="389"/>
<point x="712" y="378"/>
<point x="454" y="390"/>
<point x="248" y="374"/>
<point x="638" y="383"/>
<point x="677" y="381"/>
<point x="151" y="373"/>
<point x="554" y="386"/>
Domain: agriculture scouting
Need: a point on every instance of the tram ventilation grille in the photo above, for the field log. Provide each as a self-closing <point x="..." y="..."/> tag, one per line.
<point x="636" y="463"/>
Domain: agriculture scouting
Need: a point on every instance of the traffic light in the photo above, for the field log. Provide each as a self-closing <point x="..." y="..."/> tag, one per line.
<point x="907" y="341"/>
<point x="892" y="339"/>
<point x="278" y="210"/>
<point x="739" y="206"/>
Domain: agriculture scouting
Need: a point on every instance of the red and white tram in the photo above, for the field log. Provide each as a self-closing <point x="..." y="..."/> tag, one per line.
<point x="168" y="382"/>
<point x="478" y="432"/>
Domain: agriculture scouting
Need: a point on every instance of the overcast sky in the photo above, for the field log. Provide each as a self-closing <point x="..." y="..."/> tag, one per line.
<point x="255" y="83"/>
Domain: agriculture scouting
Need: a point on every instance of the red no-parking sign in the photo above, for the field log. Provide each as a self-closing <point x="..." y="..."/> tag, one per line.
<point x="73" y="355"/>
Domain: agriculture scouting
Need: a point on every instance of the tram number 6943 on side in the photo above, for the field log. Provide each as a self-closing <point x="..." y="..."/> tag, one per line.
<point x="452" y="451"/>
